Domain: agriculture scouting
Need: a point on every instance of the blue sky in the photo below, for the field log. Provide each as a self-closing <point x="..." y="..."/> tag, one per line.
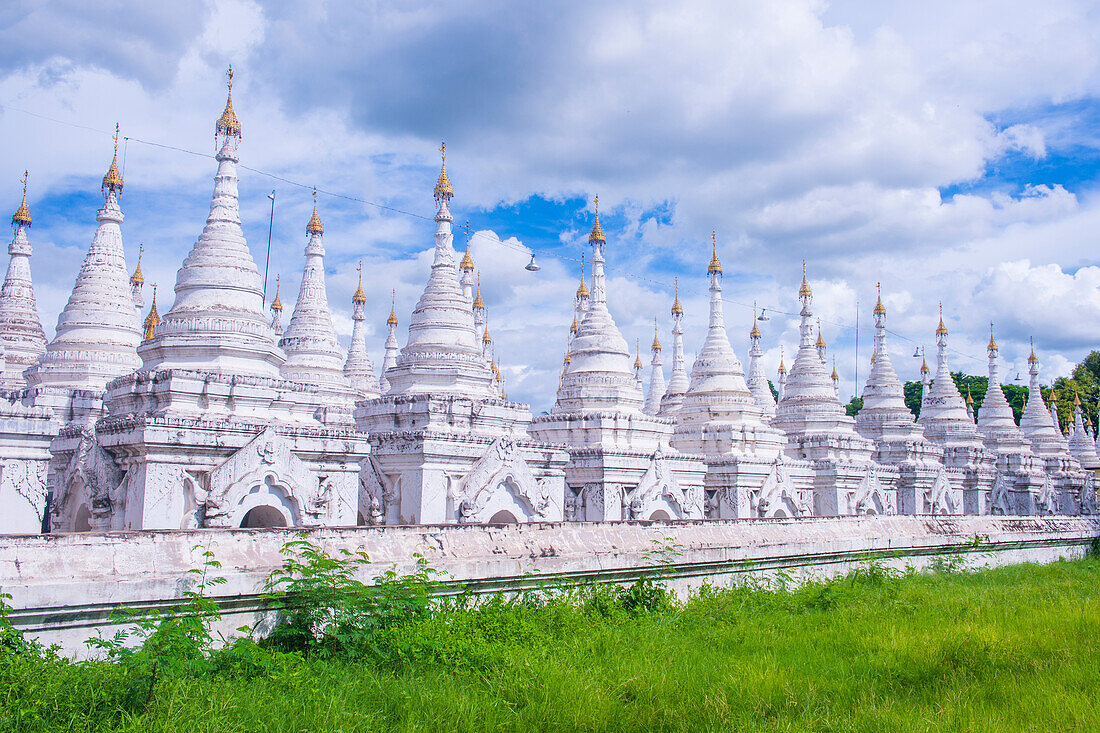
<point x="951" y="153"/>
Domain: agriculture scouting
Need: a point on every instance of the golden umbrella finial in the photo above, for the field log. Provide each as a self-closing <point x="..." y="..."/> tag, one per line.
<point x="443" y="190"/>
<point x="597" y="236"/>
<point x="22" y="216"/>
<point x="715" y="267"/>
<point x="153" y="319"/>
<point x="137" y="278"/>
<point x="359" y="297"/>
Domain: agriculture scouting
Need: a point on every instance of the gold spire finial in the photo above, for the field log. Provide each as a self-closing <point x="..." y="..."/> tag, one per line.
<point x="924" y="365"/>
<point x="1032" y="359"/>
<point x="992" y="342"/>
<point x="820" y="339"/>
<point x="969" y="397"/>
<point x="315" y="226"/>
<point x="804" y="291"/>
<point x="392" y="320"/>
<point x="112" y="182"/>
<point x="835" y="377"/>
<point x="1076" y="398"/>
<point x="582" y="289"/>
<point x="153" y="319"/>
<point x="575" y="326"/>
<point x="443" y="190"/>
<point x="874" y="355"/>
<point x="137" y="278"/>
<point x="359" y="297"/>
<point x="478" y="302"/>
<point x="782" y="367"/>
<point x="22" y="215"/>
<point x="755" y="332"/>
<point x="277" y="303"/>
<point x="637" y="353"/>
<point x="228" y="124"/>
<point x="467" y="261"/>
<point x="677" y="309"/>
<point x="596" y="236"/>
<point x="485" y="337"/>
<point x="880" y="309"/>
<point x="656" y="342"/>
<point x="941" y="330"/>
<point x="715" y="267"/>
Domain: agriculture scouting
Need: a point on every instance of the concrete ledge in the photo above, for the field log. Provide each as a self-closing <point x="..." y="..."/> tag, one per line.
<point x="65" y="587"/>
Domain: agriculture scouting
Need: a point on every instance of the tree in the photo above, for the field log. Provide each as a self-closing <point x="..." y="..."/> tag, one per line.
<point x="854" y="406"/>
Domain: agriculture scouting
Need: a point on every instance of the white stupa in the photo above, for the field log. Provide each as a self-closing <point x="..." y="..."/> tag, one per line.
<point x="99" y="329"/>
<point x="205" y="433"/>
<point x="899" y="440"/>
<point x="22" y="339"/>
<point x="313" y="353"/>
<point x="446" y="445"/>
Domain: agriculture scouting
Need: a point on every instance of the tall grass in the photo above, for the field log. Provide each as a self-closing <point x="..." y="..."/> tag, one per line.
<point x="1014" y="648"/>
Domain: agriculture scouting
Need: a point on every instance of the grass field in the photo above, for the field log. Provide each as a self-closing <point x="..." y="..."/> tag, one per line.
<point x="1014" y="648"/>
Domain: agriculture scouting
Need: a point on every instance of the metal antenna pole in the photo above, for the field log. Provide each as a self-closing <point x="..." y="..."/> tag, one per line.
<point x="270" y="223"/>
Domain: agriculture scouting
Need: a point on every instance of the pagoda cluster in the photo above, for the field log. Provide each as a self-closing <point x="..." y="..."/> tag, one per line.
<point x="215" y="414"/>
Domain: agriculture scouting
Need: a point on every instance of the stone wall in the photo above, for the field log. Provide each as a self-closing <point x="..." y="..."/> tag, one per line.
<point x="65" y="586"/>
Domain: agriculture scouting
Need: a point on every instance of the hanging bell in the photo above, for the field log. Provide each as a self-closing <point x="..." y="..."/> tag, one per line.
<point x="532" y="266"/>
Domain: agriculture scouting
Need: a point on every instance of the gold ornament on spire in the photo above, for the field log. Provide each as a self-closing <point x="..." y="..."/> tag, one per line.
<point x="22" y="215"/>
<point x="112" y="182"/>
<point x="804" y="291"/>
<point x="880" y="309"/>
<point x="315" y="226"/>
<point x="677" y="309"/>
<point x="1076" y="398"/>
<point x="941" y="330"/>
<point x="582" y="289"/>
<point x="820" y="339"/>
<point x="485" y="337"/>
<point x="924" y="366"/>
<point x="277" y="303"/>
<point x="715" y="267"/>
<point x="992" y="342"/>
<point x="596" y="236"/>
<point x="153" y="319"/>
<point x="1032" y="359"/>
<point x="874" y="355"/>
<point x="467" y="264"/>
<point x="782" y="367"/>
<point x="443" y="190"/>
<point x="359" y="297"/>
<point x="573" y="328"/>
<point x="137" y="278"/>
<point x="755" y="332"/>
<point x="656" y="342"/>
<point x="835" y="377"/>
<point x="392" y="320"/>
<point x="637" y="353"/>
<point x="969" y="397"/>
<point x="478" y="302"/>
<point x="228" y="124"/>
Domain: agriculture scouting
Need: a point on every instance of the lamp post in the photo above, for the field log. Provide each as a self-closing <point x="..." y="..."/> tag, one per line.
<point x="270" y="224"/>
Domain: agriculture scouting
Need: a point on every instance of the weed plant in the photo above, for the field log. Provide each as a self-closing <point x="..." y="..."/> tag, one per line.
<point x="1015" y="648"/>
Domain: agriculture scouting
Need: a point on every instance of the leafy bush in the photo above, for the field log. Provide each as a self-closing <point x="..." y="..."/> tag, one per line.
<point x="323" y="609"/>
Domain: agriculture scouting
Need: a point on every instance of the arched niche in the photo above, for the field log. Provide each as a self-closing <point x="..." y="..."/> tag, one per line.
<point x="659" y="516"/>
<point x="263" y="516"/>
<point x="503" y="517"/>
<point x="83" y="521"/>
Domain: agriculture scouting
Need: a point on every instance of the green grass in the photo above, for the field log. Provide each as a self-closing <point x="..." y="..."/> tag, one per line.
<point x="1014" y="648"/>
